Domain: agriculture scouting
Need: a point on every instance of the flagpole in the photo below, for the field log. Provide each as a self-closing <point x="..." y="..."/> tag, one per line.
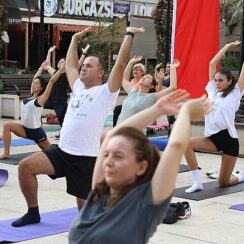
<point x="41" y="35"/>
<point x="242" y="38"/>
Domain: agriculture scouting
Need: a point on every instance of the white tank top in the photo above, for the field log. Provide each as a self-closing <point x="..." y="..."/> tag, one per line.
<point x="30" y="114"/>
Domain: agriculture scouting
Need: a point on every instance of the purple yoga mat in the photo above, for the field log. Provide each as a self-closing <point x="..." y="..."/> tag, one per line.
<point x="51" y="223"/>
<point x="239" y="207"/>
<point x="3" y="176"/>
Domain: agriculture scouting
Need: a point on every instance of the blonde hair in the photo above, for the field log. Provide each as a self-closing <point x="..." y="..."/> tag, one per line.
<point x="140" y="66"/>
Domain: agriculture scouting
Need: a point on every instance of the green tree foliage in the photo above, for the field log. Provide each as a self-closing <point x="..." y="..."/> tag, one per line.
<point x="105" y="41"/>
<point x="231" y="62"/>
<point x="231" y="12"/>
<point x="3" y="17"/>
<point x="161" y="28"/>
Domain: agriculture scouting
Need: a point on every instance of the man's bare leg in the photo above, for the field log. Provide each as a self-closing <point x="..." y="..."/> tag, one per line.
<point x="29" y="168"/>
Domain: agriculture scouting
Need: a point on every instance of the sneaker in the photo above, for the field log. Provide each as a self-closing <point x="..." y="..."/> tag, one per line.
<point x="214" y="176"/>
<point x="57" y="137"/>
<point x="185" y="210"/>
<point x="213" y="171"/>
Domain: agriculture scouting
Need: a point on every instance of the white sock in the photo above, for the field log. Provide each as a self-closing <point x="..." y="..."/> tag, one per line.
<point x="197" y="186"/>
<point x="240" y="176"/>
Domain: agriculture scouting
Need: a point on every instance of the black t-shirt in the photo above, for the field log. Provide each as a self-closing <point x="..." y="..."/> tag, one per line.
<point x="59" y="90"/>
<point x="166" y="82"/>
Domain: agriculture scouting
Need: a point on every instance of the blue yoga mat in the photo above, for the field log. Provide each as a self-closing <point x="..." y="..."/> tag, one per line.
<point x="51" y="128"/>
<point x="51" y="223"/>
<point x="159" y="142"/>
<point x="109" y="118"/>
<point x="19" y="142"/>
<point x="3" y="176"/>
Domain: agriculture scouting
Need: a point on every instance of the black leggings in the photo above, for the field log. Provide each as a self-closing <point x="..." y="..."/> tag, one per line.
<point x="117" y="112"/>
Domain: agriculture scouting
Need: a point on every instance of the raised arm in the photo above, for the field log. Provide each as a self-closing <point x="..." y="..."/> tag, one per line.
<point x="159" y="76"/>
<point x="173" y="80"/>
<point x="43" y="98"/>
<point x="40" y="70"/>
<point x="72" y="65"/>
<point x="163" y="181"/>
<point x="241" y="79"/>
<point x="48" y="67"/>
<point x="221" y="53"/>
<point x="126" y="77"/>
<point x="84" y="53"/>
<point x="115" y="77"/>
<point x="169" y="105"/>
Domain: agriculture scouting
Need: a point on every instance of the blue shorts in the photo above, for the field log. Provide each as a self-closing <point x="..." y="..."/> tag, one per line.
<point x="37" y="135"/>
<point x="225" y="143"/>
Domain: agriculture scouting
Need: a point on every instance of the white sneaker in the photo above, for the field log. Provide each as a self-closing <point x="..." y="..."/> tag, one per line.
<point x="213" y="171"/>
<point x="214" y="176"/>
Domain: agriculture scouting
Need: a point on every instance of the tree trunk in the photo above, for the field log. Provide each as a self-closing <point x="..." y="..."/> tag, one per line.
<point x="163" y="27"/>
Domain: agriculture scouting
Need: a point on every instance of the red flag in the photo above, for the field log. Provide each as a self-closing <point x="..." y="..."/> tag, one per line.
<point x="195" y="41"/>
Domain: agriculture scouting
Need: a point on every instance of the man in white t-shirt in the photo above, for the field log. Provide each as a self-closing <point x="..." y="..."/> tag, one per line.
<point x="90" y="103"/>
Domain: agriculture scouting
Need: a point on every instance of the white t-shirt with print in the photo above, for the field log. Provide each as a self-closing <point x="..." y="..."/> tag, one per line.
<point x="223" y="112"/>
<point x="84" y="119"/>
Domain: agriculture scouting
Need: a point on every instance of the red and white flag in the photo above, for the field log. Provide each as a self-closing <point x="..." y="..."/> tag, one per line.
<point x="195" y="41"/>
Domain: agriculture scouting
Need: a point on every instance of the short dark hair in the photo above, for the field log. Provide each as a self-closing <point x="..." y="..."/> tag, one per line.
<point x="101" y="62"/>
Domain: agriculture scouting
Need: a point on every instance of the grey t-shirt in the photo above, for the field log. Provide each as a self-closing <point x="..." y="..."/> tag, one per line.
<point x="132" y="220"/>
<point x="136" y="102"/>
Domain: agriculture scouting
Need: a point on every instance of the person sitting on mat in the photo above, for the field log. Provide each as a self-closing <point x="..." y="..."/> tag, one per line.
<point x="138" y="71"/>
<point x="75" y="155"/>
<point x="132" y="185"/>
<point x="220" y="132"/>
<point x="146" y="95"/>
<point x="31" y="112"/>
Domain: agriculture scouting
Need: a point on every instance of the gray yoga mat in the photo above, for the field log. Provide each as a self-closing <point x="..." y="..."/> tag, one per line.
<point x="210" y="190"/>
<point x="183" y="168"/>
<point x="15" y="158"/>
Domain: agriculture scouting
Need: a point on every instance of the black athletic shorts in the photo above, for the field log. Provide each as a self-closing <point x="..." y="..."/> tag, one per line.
<point x="37" y="135"/>
<point x="225" y="143"/>
<point x="77" y="170"/>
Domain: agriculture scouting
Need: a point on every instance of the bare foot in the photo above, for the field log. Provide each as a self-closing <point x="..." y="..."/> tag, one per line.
<point x="4" y="156"/>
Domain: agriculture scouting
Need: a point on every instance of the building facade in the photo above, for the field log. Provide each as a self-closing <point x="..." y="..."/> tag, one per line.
<point x="25" y="26"/>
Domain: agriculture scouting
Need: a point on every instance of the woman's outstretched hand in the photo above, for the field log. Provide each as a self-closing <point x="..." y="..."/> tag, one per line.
<point x="175" y="64"/>
<point x="135" y="59"/>
<point x="135" y="29"/>
<point x="198" y="107"/>
<point x="171" y="103"/>
<point x="233" y="44"/>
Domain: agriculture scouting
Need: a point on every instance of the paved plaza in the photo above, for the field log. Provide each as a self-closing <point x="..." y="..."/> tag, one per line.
<point x="211" y="222"/>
